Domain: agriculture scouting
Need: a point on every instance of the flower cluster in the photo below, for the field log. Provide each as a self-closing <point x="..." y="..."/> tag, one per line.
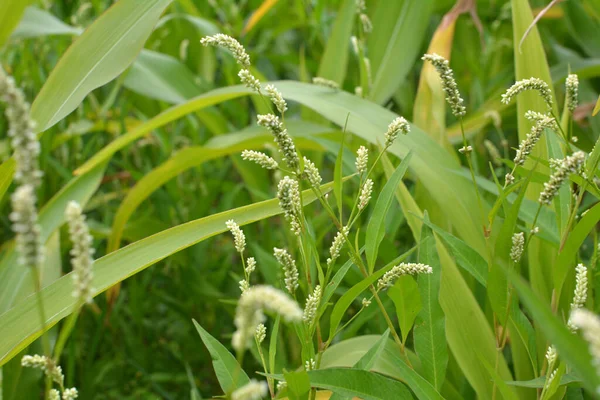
<point x="362" y="159"/>
<point x="290" y="271"/>
<point x="312" y="305"/>
<point x="336" y="245"/>
<point x="260" y="333"/>
<point x="518" y="241"/>
<point x="529" y="84"/>
<point x="580" y="292"/>
<point x="253" y="390"/>
<point x="533" y="137"/>
<point x="230" y="44"/>
<point x="249" y="312"/>
<point x="25" y="224"/>
<point x="260" y="158"/>
<point x="23" y="140"/>
<point x="572" y="95"/>
<point x="570" y="165"/>
<point x="365" y="194"/>
<point x="325" y="82"/>
<point x="396" y="272"/>
<point x="493" y="151"/>
<point x="276" y="98"/>
<point x="312" y="173"/>
<point x="249" y="80"/>
<point x="47" y="365"/>
<point x="399" y="124"/>
<point x="239" y="238"/>
<point x="448" y="83"/>
<point x="282" y="138"/>
<point x="288" y="194"/>
<point x="81" y="253"/>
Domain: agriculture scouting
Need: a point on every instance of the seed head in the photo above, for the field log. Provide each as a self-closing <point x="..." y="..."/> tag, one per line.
<point x="288" y="194"/>
<point x="551" y="356"/>
<point x="362" y="159"/>
<point x="396" y="272"/>
<point x="398" y="125"/>
<point x="493" y="151"/>
<point x="53" y="394"/>
<point x="250" y="265"/>
<point x="366" y="23"/>
<point x="261" y="333"/>
<point x="509" y="179"/>
<point x="290" y="270"/>
<point x="260" y="158"/>
<point x="276" y="98"/>
<point x="239" y="238"/>
<point x="249" y="312"/>
<point x="312" y="173"/>
<point x="244" y="285"/>
<point x="253" y="390"/>
<point x="25" y="224"/>
<point x="580" y="292"/>
<point x="47" y="365"/>
<point x="529" y="84"/>
<point x="326" y="83"/>
<point x="282" y="138"/>
<point x="312" y="305"/>
<point x="249" y="80"/>
<point x="81" y="253"/>
<point x="518" y="241"/>
<point x="571" y="164"/>
<point x="70" y="394"/>
<point x="336" y="245"/>
<point x="532" y="138"/>
<point x="365" y="194"/>
<point x="23" y="140"/>
<point x="449" y="85"/>
<point x="229" y="43"/>
<point x="572" y="85"/>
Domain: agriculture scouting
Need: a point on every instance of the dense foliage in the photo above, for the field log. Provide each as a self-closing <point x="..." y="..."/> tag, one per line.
<point x="299" y="199"/>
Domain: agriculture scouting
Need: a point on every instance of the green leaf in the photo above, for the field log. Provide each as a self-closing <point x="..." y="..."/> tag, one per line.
<point x="367" y="361"/>
<point x="193" y="156"/>
<point x="387" y="42"/>
<point x="502" y="387"/>
<point x="566" y="258"/>
<point x="538" y="383"/>
<point x="376" y="229"/>
<point x="229" y="373"/>
<point x="355" y="382"/>
<point x="338" y="188"/>
<point x="430" y="332"/>
<point x="161" y="77"/>
<point x="36" y="23"/>
<point x="20" y="325"/>
<point x="498" y="291"/>
<point x="11" y="12"/>
<point x="351" y="294"/>
<point x="7" y="169"/>
<point x="334" y="61"/>
<point x="464" y="255"/>
<point x="298" y="385"/>
<point x="95" y="58"/>
<point x="407" y="301"/>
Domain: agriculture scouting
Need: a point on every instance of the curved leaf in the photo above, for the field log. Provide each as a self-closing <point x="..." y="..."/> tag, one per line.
<point x="101" y="53"/>
<point x="355" y="382"/>
<point x="20" y="325"/>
